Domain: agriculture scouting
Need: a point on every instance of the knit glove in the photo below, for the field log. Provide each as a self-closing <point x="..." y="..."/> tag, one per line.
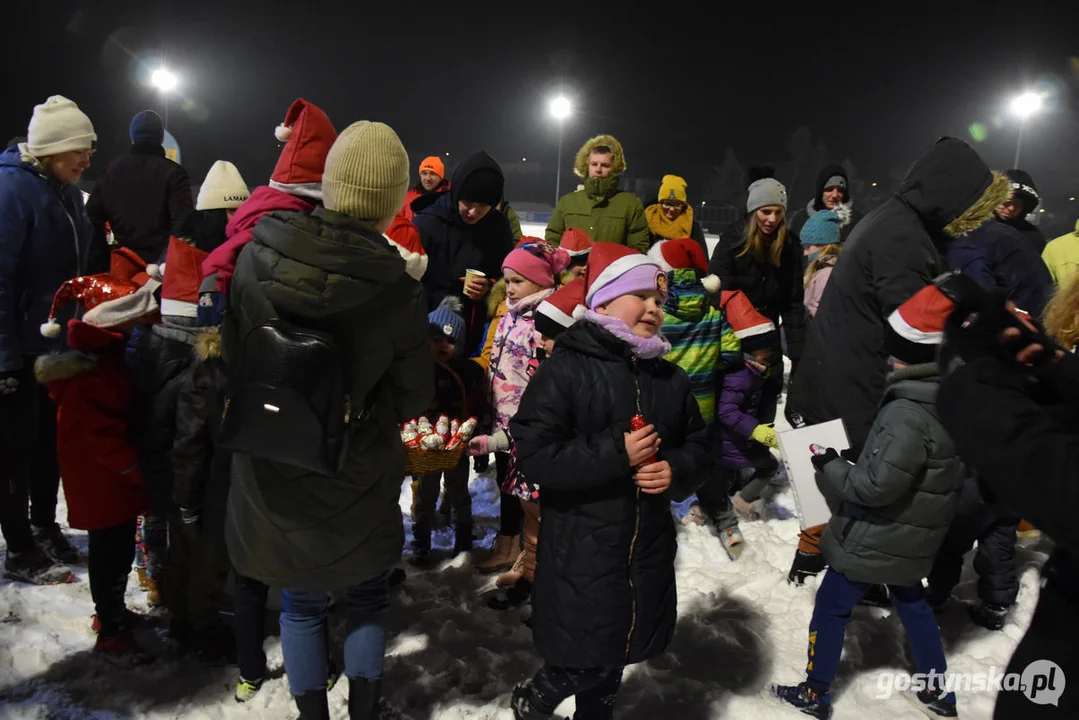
<point x="9" y="384"/>
<point x="486" y="444"/>
<point x="819" y="461"/>
<point x="765" y="435"/>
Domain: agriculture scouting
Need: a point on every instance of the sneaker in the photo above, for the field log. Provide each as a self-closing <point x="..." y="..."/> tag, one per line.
<point x="733" y="542"/>
<point x="805" y="565"/>
<point x="36" y="567"/>
<point x="121" y="648"/>
<point x="988" y="615"/>
<point x="53" y="541"/>
<point x="877" y="596"/>
<point x="805" y="699"/>
<point x="934" y="703"/>
<point x="246" y="690"/>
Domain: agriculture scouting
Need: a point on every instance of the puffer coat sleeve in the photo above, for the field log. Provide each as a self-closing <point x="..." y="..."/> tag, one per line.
<point x="410" y="375"/>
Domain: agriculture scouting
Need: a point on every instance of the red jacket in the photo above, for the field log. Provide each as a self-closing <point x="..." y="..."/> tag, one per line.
<point x="98" y="463"/>
<point x="264" y="200"/>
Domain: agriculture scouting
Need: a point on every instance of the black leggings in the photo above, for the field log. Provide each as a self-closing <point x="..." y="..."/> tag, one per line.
<point x="112" y="550"/>
<point x="594" y="688"/>
<point x="249" y="626"/>
<point x="512" y="516"/>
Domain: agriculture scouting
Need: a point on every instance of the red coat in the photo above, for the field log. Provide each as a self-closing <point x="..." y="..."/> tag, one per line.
<point x="98" y="463"/>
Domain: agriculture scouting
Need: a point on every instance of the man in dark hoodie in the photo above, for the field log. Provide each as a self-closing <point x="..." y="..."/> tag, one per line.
<point x="144" y="196"/>
<point x="894" y="252"/>
<point x="1023" y="201"/>
<point x="832" y="190"/>
<point x="461" y="229"/>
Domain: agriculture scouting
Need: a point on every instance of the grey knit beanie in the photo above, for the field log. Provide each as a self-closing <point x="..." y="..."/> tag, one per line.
<point x="765" y="192"/>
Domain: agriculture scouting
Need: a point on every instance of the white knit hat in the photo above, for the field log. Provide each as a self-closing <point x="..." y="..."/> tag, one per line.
<point x="58" y="126"/>
<point x="223" y="188"/>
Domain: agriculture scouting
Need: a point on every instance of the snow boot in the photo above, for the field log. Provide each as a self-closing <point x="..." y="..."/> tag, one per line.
<point x="421" y="558"/>
<point x="314" y="705"/>
<point x="933" y="703"/>
<point x="746" y="510"/>
<point x="397" y="576"/>
<point x="462" y="539"/>
<point x="56" y="545"/>
<point x="522" y="704"/>
<point x="805" y="565"/>
<point x="695" y="516"/>
<point x="514" y="596"/>
<point x="805" y="699"/>
<point x="246" y="689"/>
<point x="121" y="648"/>
<point x="515" y="573"/>
<point x="733" y="542"/>
<point x="988" y="615"/>
<point x="877" y="596"/>
<point x="363" y="696"/>
<point x="503" y="554"/>
<point x="36" y="567"/>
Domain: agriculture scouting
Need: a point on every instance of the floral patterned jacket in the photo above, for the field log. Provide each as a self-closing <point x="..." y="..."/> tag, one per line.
<point x="513" y="348"/>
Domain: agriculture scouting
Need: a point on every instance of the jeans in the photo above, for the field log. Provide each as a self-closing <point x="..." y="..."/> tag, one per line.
<point x="595" y="690"/>
<point x="836" y="598"/>
<point x="249" y="626"/>
<point x="109" y="564"/>
<point x="304" y="633"/>
<point x="152" y="541"/>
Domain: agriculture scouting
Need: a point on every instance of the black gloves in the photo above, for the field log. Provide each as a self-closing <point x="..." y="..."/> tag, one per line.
<point x="819" y="461"/>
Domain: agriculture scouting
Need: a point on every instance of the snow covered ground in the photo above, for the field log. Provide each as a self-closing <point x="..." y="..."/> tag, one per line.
<point x="741" y="627"/>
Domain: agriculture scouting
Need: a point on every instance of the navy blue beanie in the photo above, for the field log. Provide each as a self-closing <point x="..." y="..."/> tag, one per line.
<point x="147" y="129"/>
<point x="446" y="322"/>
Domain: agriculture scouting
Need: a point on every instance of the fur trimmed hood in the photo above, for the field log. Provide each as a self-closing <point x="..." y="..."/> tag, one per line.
<point x="981" y="211"/>
<point x="618" y="162"/>
<point x="495" y="297"/>
<point x="63" y="366"/>
<point x="208" y="344"/>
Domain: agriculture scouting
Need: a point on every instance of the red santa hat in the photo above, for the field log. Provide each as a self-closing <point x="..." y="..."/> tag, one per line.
<point x="125" y="263"/>
<point x="561" y="309"/>
<point x="616" y="270"/>
<point x="308" y="135"/>
<point x="916" y="328"/>
<point x="405" y="239"/>
<point x="576" y="242"/>
<point x="683" y="254"/>
<point x="106" y="301"/>
<point x="755" y="331"/>
<point x="183" y="275"/>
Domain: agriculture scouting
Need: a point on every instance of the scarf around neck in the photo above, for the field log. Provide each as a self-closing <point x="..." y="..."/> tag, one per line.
<point x="528" y="302"/>
<point x="641" y="347"/>
<point x="680" y="227"/>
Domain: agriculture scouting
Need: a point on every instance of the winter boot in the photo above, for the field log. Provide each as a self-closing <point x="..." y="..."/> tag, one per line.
<point x="746" y="510"/>
<point x="988" y="615"/>
<point x="934" y="703"/>
<point x="805" y="699"/>
<point x="876" y="596"/>
<point x="397" y="576"/>
<point x="36" y="567"/>
<point x="363" y="696"/>
<point x="503" y="554"/>
<point x="313" y="705"/>
<point x="805" y="565"/>
<point x="121" y="648"/>
<point x="514" y="596"/>
<point x="462" y="539"/>
<point x="695" y="516"/>
<point x="421" y="548"/>
<point x="733" y="542"/>
<point x="56" y="545"/>
<point x="523" y="705"/>
<point x="247" y="689"/>
<point x="511" y="576"/>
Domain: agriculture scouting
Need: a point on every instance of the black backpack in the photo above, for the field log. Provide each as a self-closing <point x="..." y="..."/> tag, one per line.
<point x="286" y="401"/>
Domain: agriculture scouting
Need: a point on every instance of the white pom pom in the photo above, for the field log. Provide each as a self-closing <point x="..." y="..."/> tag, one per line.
<point x="282" y="133"/>
<point x="711" y="283"/>
<point x="843" y="211"/>
<point x="50" y="329"/>
<point x="154" y="270"/>
<point x="579" y="311"/>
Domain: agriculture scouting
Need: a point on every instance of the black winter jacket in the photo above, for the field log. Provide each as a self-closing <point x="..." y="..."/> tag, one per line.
<point x="145" y="197"/>
<point x="891" y="254"/>
<point x="453" y="247"/>
<point x="997" y="256"/>
<point x="604" y="593"/>
<point x="297" y="529"/>
<point x="159" y="359"/>
<point x="776" y="292"/>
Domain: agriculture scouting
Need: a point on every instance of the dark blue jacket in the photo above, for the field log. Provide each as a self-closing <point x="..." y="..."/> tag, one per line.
<point x="44" y="240"/>
<point x="997" y="256"/>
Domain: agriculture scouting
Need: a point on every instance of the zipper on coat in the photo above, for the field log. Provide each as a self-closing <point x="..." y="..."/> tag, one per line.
<point x="79" y="269"/>
<point x="636" y="529"/>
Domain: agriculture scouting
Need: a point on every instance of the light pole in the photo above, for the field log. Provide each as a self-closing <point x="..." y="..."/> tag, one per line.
<point x="165" y="82"/>
<point x="1024" y="106"/>
<point x="560" y="110"/>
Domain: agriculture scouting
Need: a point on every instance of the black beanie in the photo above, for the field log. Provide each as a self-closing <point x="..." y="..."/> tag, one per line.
<point x="1023" y="189"/>
<point x="484" y="185"/>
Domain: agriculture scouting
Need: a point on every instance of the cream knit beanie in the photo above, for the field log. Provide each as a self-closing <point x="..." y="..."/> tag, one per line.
<point x="366" y="172"/>
<point x="58" y="126"/>
<point x="223" y="189"/>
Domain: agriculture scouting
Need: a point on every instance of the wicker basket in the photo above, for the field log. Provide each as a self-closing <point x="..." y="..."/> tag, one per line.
<point x="420" y="462"/>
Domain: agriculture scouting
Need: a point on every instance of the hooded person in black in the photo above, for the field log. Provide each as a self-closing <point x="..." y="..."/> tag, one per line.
<point x="1023" y="201"/>
<point x="892" y="254"/>
<point x="832" y="188"/>
<point x="461" y="229"/>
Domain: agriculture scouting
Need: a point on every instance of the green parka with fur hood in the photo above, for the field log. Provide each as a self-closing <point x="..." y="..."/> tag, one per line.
<point x="603" y="211"/>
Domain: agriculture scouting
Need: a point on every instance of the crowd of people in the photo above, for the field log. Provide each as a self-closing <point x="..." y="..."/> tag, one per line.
<point x="221" y="382"/>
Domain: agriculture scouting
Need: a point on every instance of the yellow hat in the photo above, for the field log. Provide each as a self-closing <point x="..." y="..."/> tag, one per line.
<point x="673" y="188"/>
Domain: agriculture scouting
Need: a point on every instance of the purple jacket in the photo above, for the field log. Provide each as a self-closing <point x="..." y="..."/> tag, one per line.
<point x="736" y="418"/>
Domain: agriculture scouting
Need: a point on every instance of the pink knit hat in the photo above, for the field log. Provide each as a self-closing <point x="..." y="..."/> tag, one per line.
<point x="537" y="261"/>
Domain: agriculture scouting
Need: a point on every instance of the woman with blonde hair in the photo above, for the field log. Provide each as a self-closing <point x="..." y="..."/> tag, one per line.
<point x="821" y="243"/>
<point x="1062" y="315"/>
<point x="765" y="263"/>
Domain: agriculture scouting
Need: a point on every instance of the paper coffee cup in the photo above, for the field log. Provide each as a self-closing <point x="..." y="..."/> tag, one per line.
<point x="469" y="274"/>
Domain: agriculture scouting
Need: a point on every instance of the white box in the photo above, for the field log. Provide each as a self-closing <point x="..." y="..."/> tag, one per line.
<point x="797" y="457"/>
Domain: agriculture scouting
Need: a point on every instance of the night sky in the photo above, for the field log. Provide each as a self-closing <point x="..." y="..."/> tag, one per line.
<point x="677" y="83"/>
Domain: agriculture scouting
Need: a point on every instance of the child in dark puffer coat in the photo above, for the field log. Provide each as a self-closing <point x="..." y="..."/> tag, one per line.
<point x="891" y="511"/>
<point x="612" y="433"/>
